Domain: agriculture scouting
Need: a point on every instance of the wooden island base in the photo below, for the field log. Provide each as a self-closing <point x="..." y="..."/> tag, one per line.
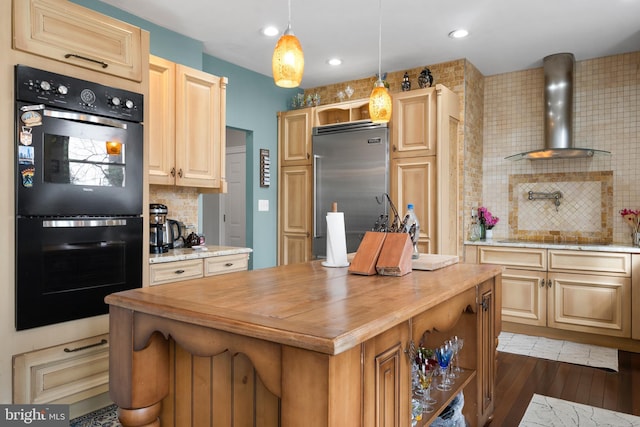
<point x="298" y="345"/>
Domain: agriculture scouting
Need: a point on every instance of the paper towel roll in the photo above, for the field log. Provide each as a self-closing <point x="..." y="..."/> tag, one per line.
<point x="336" y="241"/>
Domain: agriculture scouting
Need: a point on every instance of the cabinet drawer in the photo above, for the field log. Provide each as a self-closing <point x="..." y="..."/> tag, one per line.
<point x="609" y="263"/>
<point x="73" y="34"/>
<point x="225" y="264"/>
<point x="527" y="258"/>
<point x="64" y="374"/>
<point x="175" y="271"/>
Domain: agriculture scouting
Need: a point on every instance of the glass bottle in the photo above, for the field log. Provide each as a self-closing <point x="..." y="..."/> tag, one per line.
<point x="474" y="227"/>
<point x="411" y="221"/>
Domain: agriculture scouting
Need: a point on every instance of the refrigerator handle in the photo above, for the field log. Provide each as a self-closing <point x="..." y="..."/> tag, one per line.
<point x="315" y="196"/>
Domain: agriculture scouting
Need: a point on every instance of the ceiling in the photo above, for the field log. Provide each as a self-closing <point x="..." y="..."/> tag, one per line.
<point x="505" y="35"/>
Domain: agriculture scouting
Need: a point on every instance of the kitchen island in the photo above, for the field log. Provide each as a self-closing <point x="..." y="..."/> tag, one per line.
<point x="298" y="345"/>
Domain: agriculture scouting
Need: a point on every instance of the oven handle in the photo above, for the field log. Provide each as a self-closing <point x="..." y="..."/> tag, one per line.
<point x="82" y="117"/>
<point x="80" y="223"/>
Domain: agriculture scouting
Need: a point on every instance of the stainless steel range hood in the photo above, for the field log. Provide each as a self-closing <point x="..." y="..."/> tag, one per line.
<point x="558" y="120"/>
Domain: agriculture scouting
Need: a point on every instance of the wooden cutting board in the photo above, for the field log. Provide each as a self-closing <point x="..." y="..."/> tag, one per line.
<point x="434" y="261"/>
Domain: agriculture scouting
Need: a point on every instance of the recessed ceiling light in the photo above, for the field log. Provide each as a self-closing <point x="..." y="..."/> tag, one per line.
<point x="270" y="31"/>
<point x="334" y="61"/>
<point x="459" y="34"/>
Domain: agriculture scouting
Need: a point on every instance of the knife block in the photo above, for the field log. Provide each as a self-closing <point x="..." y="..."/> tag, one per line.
<point x="395" y="256"/>
<point x="365" y="259"/>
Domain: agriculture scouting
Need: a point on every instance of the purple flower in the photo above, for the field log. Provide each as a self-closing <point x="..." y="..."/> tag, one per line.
<point x="486" y="218"/>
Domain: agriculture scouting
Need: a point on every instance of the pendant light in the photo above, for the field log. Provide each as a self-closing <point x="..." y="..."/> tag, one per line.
<point x="380" y="100"/>
<point x="288" y="59"/>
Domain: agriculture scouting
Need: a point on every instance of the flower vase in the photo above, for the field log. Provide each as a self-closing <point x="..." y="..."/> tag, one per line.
<point x="488" y="234"/>
<point x="636" y="239"/>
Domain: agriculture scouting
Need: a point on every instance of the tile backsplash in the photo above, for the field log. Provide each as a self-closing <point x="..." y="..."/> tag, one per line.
<point x="583" y="213"/>
<point x="181" y="202"/>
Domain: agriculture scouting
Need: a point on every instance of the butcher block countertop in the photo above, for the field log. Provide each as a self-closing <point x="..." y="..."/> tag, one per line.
<point x="308" y="306"/>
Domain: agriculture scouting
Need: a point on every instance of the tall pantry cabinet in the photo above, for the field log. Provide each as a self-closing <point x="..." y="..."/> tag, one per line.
<point x="424" y="164"/>
<point x="295" y="186"/>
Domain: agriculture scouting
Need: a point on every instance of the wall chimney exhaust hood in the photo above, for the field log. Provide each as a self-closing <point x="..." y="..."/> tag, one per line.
<point x="558" y="110"/>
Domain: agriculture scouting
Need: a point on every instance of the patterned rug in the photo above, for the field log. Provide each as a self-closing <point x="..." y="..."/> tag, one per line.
<point x="561" y="351"/>
<point x="551" y="412"/>
<point x="105" y="417"/>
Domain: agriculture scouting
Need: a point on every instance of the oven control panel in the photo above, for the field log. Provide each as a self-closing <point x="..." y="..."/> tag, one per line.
<point x="44" y="87"/>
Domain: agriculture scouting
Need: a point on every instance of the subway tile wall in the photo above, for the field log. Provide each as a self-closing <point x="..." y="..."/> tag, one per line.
<point x="606" y="117"/>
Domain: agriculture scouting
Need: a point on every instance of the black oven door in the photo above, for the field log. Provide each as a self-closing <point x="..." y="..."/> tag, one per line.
<point x="75" y="163"/>
<point x="66" y="266"/>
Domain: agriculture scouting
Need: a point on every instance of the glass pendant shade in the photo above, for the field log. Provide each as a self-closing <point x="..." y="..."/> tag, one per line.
<point x="288" y="61"/>
<point x="380" y="104"/>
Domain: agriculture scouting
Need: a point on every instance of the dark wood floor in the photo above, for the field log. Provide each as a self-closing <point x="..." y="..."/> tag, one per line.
<point x="519" y="377"/>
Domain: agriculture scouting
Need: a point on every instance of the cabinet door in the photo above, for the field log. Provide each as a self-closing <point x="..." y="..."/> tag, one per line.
<point x="590" y="303"/>
<point x="69" y="33"/>
<point x="294" y="130"/>
<point x="413" y="180"/>
<point x="488" y="336"/>
<point x="295" y="214"/>
<point x="524" y="297"/>
<point x="414" y="123"/>
<point x="200" y="128"/>
<point x="161" y="121"/>
<point x="386" y="379"/>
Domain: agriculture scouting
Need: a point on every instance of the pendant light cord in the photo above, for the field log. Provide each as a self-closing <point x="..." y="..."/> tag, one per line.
<point x="379" y="40"/>
<point x="289" y="23"/>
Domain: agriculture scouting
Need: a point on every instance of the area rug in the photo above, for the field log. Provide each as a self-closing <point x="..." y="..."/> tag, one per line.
<point x="105" y="417"/>
<point x="551" y="412"/>
<point x="561" y="351"/>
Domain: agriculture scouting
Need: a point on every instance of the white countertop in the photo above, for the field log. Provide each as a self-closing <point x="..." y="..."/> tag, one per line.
<point x="612" y="247"/>
<point x="188" y="253"/>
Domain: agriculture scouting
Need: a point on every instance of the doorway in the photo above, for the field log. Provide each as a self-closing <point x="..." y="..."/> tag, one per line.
<point x="223" y="216"/>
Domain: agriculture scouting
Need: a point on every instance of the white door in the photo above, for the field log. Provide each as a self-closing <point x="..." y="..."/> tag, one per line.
<point x="233" y="203"/>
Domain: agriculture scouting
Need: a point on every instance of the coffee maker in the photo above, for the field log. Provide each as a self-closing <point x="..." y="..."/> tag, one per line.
<point x="157" y="225"/>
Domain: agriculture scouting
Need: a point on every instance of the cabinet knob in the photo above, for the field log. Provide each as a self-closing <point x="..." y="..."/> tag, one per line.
<point x="542" y="283"/>
<point x="180" y="172"/>
<point x="173" y="172"/>
<point x="394" y="148"/>
<point x="179" y="271"/>
<point x="549" y="283"/>
<point x="229" y="264"/>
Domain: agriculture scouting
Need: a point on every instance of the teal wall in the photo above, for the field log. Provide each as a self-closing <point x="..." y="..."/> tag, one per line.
<point x="253" y="101"/>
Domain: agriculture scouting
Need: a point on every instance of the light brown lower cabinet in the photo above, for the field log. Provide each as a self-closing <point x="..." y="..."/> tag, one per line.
<point x="583" y="291"/>
<point x="176" y="271"/>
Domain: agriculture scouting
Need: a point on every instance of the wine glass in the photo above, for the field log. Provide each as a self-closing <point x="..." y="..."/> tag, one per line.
<point x="425" y="377"/>
<point x="443" y="354"/>
<point x="459" y="343"/>
<point x="453" y="342"/>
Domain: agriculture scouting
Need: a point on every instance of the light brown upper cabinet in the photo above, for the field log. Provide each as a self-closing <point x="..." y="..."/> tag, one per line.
<point x="70" y="33"/>
<point x="186" y="123"/>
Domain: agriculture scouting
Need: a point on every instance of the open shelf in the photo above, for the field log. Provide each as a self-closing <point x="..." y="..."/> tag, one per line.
<point x="445" y="397"/>
<point x="342" y="112"/>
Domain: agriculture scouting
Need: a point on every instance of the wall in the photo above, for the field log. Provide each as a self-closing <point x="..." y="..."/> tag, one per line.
<point x="606" y="112"/>
<point x="252" y="103"/>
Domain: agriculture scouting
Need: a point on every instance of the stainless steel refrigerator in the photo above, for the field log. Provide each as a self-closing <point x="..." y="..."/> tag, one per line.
<point x="351" y="167"/>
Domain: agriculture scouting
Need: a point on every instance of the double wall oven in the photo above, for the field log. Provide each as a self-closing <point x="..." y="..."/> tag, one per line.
<point x="79" y="177"/>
